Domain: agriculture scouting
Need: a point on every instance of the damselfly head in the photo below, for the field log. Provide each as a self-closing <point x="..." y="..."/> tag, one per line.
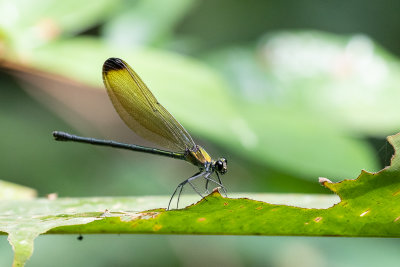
<point x="221" y="165"/>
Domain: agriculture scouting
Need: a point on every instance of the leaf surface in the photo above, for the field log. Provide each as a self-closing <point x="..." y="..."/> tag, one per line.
<point x="369" y="206"/>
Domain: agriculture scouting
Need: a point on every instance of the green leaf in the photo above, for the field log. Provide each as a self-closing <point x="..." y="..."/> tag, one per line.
<point x="349" y="81"/>
<point x="369" y="206"/>
<point x="14" y="191"/>
<point x="296" y="143"/>
<point x="280" y="127"/>
<point x="24" y="220"/>
<point x="28" y="24"/>
<point x="145" y="22"/>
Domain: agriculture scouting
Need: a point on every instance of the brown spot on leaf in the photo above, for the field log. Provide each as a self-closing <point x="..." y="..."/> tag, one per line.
<point x="318" y="219"/>
<point x="259" y="208"/>
<point x="140" y="216"/>
<point x="202" y="219"/>
<point x="395" y="220"/>
<point x="226" y="203"/>
<point x="157" y="227"/>
<point x="396" y="193"/>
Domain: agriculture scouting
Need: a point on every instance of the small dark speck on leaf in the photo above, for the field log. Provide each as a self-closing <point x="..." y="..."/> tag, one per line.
<point x="80" y="237"/>
<point x="318" y="219"/>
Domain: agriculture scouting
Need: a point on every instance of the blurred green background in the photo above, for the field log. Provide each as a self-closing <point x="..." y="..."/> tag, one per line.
<point x="287" y="91"/>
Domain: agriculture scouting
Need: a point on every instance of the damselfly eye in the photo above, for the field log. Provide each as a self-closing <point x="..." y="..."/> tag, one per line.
<point x="221" y="165"/>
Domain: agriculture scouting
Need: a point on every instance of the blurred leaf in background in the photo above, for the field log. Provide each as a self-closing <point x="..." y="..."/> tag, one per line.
<point x="284" y="105"/>
<point x="145" y="23"/>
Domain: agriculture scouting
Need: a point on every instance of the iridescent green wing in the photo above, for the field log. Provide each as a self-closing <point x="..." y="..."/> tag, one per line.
<point x="140" y="110"/>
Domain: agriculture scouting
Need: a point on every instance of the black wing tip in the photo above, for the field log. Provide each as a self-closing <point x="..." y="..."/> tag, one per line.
<point x="113" y="63"/>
